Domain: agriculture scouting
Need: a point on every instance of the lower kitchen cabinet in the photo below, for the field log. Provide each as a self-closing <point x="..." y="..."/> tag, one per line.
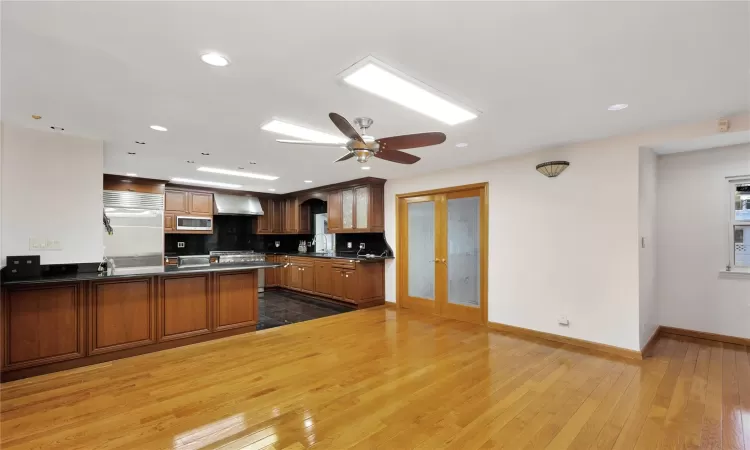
<point x="235" y="300"/>
<point x="323" y="277"/>
<point x="42" y="325"/>
<point x="184" y="306"/>
<point x="308" y="277"/>
<point x="122" y="314"/>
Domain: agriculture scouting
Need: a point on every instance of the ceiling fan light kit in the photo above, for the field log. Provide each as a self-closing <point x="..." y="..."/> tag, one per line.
<point x="552" y="169"/>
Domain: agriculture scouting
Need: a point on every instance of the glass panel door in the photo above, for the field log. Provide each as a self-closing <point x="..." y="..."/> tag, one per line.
<point x="463" y="251"/>
<point x="418" y="231"/>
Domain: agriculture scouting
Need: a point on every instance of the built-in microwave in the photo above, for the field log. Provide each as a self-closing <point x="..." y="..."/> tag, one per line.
<point x="195" y="223"/>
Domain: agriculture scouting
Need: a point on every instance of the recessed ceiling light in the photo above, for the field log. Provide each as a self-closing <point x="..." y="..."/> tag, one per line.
<point x="130" y="174"/>
<point x="190" y="161"/>
<point x="240" y="168"/>
<point x="252" y="162"/>
<point x="377" y="78"/>
<point x="308" y="181"/>
<point x="618" y="107"/>
<point x="206" y="183"/>
<point x="205" y="154"/>
<point x="58" y="128"/>
<point x="272" y="190"/>
<point x="365" y="168"/>
<point x="140" y="142"/>
<point x="287" y="129"/>
<point x="158" y="128"/>
<point x="215" y="59"/>
<point x="462" y="145"/>
<point x="131" y="153"/>
<point x="237" y="174"/>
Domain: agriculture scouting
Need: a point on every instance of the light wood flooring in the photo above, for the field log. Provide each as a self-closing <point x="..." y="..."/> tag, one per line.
<point x="384" y="378"/>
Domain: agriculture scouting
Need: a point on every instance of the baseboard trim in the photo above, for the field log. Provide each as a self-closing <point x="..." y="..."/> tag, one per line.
<point x="611" y="349"/>
<point x="649" y="347"/>
<point x="704" y="335"/>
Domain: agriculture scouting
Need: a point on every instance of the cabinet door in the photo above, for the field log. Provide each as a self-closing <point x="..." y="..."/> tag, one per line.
<point x="308" y="278"/>
<point x="337" y="283"/>
<point x="347" y="209"/>
<point x="169" y="222"/>
<point x="184" y="306"/>
<point x="304" y="219"/>
<point x="270" y="274"/>
<point x="235" y="300"/>
<point x="351" y="288"/>
<point x="277" y="216"/>
<point x="295" y="277"/>
<point x="376" y="219"/>
<point x="122" y="314"/>
<point x="42" y="325"/>
<point x="201" y="203"/>
<point x="362" y="208"/>
<point x="334" y="212"/>
<point x="323" y="275"/>
<point x="264" y="221"/>
<point x="176" y="201"/>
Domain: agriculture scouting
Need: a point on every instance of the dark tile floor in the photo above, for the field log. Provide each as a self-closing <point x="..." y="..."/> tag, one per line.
<point x="277" y="307"/>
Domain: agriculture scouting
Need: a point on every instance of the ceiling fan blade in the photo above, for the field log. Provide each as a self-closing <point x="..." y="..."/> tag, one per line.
<point x="345" y="157"/>
<point x="411" y="141"/>
<point x="397" y="157"/>
<point x="345" y="127"/>
<point x="319" y="144"/>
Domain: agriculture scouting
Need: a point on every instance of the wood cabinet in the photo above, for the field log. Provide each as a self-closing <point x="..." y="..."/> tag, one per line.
<point x="308" y="277"/>
<point x="264" y="223"/>
<point x="356" y="209"/>
<point x="271" y="276"/>
<point x="42" y="325"/>
<point x="294" y="276"/>
<point x="235" y="300"/>
<point x="274" y="218"/>
<point x="277" y="218"/>
<point x="176" y="201"/>
<point x="122" y="314"/>
<point x="201" y="203"/>
<point x="170" y="222"/>
<point x="323" y="277"/>
<point x="184" y="306"/>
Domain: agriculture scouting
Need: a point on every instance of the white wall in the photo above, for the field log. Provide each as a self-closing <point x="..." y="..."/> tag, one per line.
<point x="51" y="189"/>
<point x="647" y="210"/>
<point x="561" y="246"/>
<point x="693" y="243"/>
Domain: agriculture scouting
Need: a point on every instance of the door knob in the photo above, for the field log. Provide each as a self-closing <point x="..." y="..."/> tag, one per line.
<point x="442" y="260"/>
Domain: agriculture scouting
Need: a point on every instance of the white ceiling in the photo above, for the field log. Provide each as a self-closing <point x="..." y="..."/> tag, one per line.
<point x="542" y="73"/>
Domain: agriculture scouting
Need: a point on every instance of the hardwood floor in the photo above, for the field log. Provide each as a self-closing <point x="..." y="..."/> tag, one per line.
<point x="384" y="378"/>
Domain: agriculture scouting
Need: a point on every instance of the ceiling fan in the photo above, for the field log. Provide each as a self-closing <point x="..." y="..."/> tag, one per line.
<point x="362" y="146"/>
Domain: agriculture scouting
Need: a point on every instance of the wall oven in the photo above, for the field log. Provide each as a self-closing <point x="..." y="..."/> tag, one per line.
<point x="194" y="223"/>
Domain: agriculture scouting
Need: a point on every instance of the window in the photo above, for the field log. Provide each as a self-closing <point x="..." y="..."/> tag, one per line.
<point x="740" y="222"/>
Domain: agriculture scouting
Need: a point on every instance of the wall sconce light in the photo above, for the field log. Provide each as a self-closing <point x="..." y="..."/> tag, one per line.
<point x="551" y="169"/>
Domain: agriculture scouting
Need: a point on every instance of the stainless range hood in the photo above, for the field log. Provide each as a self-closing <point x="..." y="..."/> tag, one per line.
<point x="236" y="205"/>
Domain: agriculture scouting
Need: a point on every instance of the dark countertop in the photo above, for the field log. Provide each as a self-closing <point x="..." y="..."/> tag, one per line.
<point x="133" y="272"/>
<point x="351" y="257"/>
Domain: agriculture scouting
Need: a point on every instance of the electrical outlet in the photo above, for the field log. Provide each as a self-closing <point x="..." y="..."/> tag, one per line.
<point x="277" y="243"/>
<point x="348" y="245"/>
<point x="44" y="244"/>
<point x="362" y="246"/>
<point x="563" y="321"/>
<point x="180" y="245"/>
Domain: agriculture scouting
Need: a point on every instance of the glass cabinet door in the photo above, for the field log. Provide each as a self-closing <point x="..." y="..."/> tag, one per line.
<point x="347" y="200"/>
<point x="362" y="195"/>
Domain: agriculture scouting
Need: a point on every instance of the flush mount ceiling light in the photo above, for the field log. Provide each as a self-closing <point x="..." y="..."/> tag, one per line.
<point x="365" y="168"/>
<point x="58" y="128"/>
<point x="190" y="161"/>
<point x="377" y="78"/>
<point x="215" y="59"/>
<point x="237" y="174"/>
<point x="206" y="183"/>
<point x="287" y="129"/>
<point x="618" y="107"/>
<point x="551" y="169"/>
<point x="308" y="181"/>
<point x="158" y="128"/>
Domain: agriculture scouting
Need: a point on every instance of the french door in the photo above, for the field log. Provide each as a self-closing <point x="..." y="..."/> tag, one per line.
<point x="442" y="252"/>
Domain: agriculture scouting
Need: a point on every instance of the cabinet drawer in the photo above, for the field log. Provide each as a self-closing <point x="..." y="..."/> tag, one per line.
<point x="301" y="260"/>
<point x="344" y="264"/>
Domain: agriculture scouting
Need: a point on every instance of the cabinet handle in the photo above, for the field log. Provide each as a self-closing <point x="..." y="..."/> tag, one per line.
<point x="347" y="275"/>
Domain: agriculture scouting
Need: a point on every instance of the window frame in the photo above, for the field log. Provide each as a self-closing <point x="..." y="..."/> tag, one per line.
<point x="733" y="222"/>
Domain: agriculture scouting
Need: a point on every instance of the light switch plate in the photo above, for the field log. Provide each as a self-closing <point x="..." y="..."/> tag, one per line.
<point x="348" y="245"/>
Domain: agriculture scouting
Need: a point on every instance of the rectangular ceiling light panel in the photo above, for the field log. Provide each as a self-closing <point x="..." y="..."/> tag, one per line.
<point x="205" y="183"/>
<point x="287" y="129"/>
<point x="237" y="173"/>
<point x="377" y="78"/>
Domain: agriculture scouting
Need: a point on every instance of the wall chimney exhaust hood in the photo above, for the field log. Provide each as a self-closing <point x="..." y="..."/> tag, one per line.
<point x="236" y="205"/>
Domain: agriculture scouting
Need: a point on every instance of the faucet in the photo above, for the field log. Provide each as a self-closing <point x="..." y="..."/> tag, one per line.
<point x="325" y="241"/>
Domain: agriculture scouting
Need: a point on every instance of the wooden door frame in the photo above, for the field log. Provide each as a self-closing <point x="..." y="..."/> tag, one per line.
<point x="484" y="207"/>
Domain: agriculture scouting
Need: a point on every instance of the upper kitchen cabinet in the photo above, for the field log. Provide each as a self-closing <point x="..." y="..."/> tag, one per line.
<point x="272" y="220"/>
<point x="356" y="209"/>
<point x="296" y="216"/>
<point x="197" y="203"/>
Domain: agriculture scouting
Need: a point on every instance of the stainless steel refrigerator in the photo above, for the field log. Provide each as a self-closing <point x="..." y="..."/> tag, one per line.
<point x="137" y="223"/>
